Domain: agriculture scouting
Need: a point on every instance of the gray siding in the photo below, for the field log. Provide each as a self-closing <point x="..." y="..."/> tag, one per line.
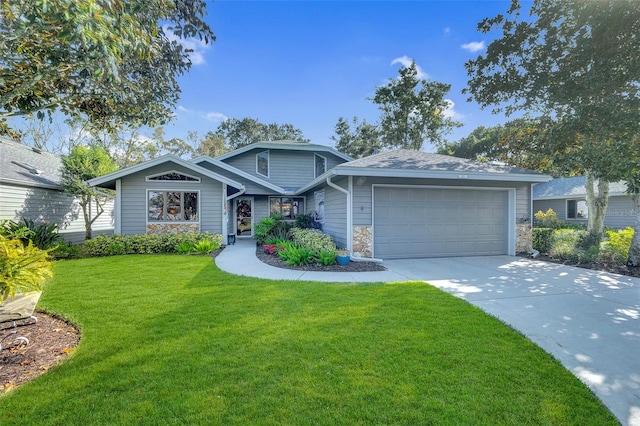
<point x="335" y="211"/>
<point x="619" y="211"/>
<point x="287" y="169"/>
<point x="362" y="193"/>
<point x="54" y="207"/>
<point x="134" y="198"/>
<point x="250" y="186"/>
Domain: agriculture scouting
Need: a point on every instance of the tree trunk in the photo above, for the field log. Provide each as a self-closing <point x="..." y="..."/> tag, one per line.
<point x="634" y="250"/>
<point x="86" y="207"/>
<point x="597" y="204"/>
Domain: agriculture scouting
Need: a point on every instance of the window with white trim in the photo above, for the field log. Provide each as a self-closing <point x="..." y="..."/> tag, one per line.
<point x="320" y="164"/>
<point x="262" y="163"/>
<point x="287" y="207"/>
<point x="172" y="206"/>
<point x="577" y="209"/>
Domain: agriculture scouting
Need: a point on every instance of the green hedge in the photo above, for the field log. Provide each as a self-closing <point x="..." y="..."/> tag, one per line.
<point x="112" y="245"/>
<point x="542" y="239"/>
<point x="312" y="239"/>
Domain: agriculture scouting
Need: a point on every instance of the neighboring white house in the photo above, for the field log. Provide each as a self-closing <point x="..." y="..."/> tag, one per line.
<point x="567" y="197"/>
<point x="30" y="188"/>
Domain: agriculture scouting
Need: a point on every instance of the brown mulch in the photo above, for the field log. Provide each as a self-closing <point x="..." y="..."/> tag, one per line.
<point x="604" y="267"/>
<point x="274" y="260"/>
<point x="51" y="340"/>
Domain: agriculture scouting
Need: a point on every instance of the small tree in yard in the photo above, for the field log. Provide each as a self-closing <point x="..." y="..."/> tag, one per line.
<point x="84" y="163"/>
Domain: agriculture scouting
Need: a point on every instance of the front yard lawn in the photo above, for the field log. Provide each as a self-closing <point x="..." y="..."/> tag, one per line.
<point x="173" y="340"/>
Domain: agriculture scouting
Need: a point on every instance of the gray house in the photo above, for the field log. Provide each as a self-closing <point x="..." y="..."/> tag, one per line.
<point x="567" y="197"/>
<point x="30" y="188"/>
<point x="390" y="205"/>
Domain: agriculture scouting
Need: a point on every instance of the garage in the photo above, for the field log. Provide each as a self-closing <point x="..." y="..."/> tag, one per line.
<point x="439" y="221"/>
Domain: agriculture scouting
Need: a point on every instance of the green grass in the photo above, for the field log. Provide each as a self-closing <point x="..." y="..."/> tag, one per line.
<point x="173" y="340"/>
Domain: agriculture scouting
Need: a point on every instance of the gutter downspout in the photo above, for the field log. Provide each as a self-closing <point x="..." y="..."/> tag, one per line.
<point x="350" y="220"/>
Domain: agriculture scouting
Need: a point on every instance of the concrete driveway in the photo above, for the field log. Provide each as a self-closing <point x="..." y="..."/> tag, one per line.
<point x="588" y="320"/>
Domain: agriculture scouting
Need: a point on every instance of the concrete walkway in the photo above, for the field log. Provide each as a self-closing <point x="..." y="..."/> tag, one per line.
<point x="588" y="320"/>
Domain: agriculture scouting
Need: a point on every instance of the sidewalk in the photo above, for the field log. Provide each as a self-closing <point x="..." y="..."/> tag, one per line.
<point x="240" y="259"/>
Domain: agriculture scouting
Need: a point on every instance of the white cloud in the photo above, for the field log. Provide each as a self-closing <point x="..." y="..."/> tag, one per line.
<point x="183" y="109"/>
<point x="405" y="61"/>
<point x="197" y="46"/>
<point x="447" y="30"/>
<point x="450" y="112"/>
<point x="216" y="117"/>
<point x="474" y="46"/>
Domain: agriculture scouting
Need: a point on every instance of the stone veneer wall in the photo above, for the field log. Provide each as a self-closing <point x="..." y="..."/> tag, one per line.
<point x="524" y="238"/>
<point x="362" y="241"/>
<point x="170" y="228"/>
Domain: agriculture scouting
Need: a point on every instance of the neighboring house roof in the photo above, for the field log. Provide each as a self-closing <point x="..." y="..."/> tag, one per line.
<point x="572" y="187"/>
<point x="22" y="165"/>
<point x="109" y="180"/>
<point x="417" y="164"/>
<point x="240" y="173"/>
<point x="286" y="145"/>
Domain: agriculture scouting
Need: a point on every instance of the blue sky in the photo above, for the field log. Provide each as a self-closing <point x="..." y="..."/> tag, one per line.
<point x="309" y="62"/>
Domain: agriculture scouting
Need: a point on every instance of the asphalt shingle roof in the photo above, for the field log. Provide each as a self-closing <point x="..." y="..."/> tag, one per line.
<point x="406" y="159"/>
<point x="571" y="187"/>
<point x="22" y="164"/>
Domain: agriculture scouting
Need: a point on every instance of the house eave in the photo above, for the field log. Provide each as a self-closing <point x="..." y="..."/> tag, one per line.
<point x="289" y="147"/>
<point x="241" y="173"/>
<point x="108" y="181"/>
<point x="432" y="174"/>
<point x="30" y="184"/>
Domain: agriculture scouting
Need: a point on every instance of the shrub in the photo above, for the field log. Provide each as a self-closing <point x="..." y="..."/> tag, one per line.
<point x="304" y="221"/>
<point x="312" y="239"/>
<point x="548" y="219"/>
<point x="185" y="247"/>
<point x="616" y="249"/>
<point x="271" y="227"/>
<point x="286" y="249"/>
<point x="43" y="235"/>
<point x="66" y="251"/>
<point x="111" y="245"/>
<point x="564" y="242"/>
<point x="326" y="257"/>
<point x="297" y="255"/>
<point x="23" y="268"/>
<point x="542" y="239"/>
<point x="206" y="246"/>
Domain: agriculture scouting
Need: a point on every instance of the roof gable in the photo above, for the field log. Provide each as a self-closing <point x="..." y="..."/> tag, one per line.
<point x="284" y="145"/>
<point x="108" y="181"/>
<point x="239" y="173"/>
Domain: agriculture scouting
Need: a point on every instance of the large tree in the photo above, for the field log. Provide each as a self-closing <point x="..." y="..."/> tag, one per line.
<point x="574" y="61"/>
<point x="361" y="141"/>
<point x="111" y="61"/>
<point x="413" y="110"/>
<point x="84" y="163"/>
<point x="238" y="133"/>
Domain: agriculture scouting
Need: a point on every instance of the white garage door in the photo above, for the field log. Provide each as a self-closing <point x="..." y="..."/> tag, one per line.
<point x="434" y="222"/>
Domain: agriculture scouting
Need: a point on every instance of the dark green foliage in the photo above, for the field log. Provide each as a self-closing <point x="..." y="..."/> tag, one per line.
<point x="42" y="234"/>
<point x="297" y="255"/>
<point x="271" y="227"/>
<point x="542" y="239"/>
<point x="304" y="221"/>
<point x="113" y="245"/>
<point x="66" y="251"/>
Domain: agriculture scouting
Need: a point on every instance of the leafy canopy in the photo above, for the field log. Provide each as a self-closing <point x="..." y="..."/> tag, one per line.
<point x="238" y="133"/>
<point x="112" y="61"/>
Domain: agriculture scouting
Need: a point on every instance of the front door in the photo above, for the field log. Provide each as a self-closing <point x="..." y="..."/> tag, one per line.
<point x="244" y="217"/>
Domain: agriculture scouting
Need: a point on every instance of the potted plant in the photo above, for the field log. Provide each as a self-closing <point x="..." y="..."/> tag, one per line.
<point x="343" y="257"/>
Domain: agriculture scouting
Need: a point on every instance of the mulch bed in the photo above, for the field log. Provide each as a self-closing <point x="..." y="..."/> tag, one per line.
<point x="51" y="339"/>
<point x="274" y="260"/>
<point x="604" y="267"/>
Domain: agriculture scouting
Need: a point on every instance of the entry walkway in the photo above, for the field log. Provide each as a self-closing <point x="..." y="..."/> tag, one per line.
<point x="588" y="320"/>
